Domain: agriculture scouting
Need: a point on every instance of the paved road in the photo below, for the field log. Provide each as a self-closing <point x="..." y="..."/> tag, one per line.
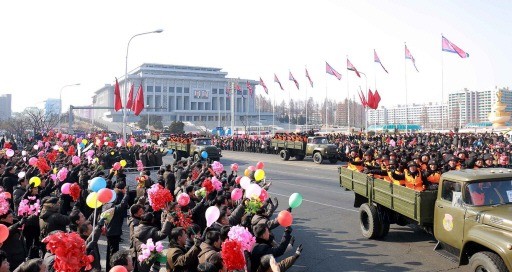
<point x="327" y="223"/>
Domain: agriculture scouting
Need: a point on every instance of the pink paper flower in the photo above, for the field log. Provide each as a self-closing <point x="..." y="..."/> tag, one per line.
<point x="217" y="167"/>
<point x="242" y="235"/>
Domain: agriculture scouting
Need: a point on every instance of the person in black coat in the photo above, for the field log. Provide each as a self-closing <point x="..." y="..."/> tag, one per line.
<point x="14" y="246"/>
<point x="115" y="227"/>
<point x="264" y="244"/>
<point x="9" y="179"/>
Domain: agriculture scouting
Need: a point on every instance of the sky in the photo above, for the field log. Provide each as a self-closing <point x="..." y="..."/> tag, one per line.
<point x="49" y="44"/>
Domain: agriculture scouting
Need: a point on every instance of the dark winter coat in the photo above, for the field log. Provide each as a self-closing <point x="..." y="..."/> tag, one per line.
<point x="115" y="227"/>
<point x="14" y="246"/>
<point x="51" y="220"/>
<point x="207" y="251"/>
<point x="144" y="232"/>
<point x="264" y="247"/>
<point x="180" y="261"/>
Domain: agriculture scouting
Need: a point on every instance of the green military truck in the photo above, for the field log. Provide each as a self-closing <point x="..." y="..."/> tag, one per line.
<point x="470" y="214"/>
<point x="317" y="147"/>
<point x="194" y="149"/>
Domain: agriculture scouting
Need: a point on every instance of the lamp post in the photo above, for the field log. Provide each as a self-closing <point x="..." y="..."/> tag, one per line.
<point x="126" y="77"/>
<point x="60" y="99"/>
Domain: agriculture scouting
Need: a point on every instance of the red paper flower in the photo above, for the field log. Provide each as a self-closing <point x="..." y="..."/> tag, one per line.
<point x="232" y="255"/>
<point x="52" y="157"/>
<point x="42" y="165"/>
<point x="7" y="145"/>
<point x="71" y="151"/>
<point x="69" y="251"/>
<point x="195" y="173"/>
<point x="74" y="191"/>
<point x="184" y="220"/>
<point x="159" y="197"/>
<point x="207" y="184"/>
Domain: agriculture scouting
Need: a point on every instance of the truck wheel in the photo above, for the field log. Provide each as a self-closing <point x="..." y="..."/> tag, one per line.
<point x="487" y="261"/>
<point x="384" y="230"/>
<point x="333" y="160"/>
<point x="285" y="155"/>
<point x="299" y="157"/>
<point x="317" y="158"/>
<point x="369" y="221"/>
<point x="196" y="157"/>
<point x="176" y="156"/>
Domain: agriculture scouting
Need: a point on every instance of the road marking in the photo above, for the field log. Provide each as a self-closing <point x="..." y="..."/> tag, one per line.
<point x="313" y="188"/>
<point x="323" y="204"/>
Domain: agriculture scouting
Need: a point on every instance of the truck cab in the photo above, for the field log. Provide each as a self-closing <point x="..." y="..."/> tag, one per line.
<point x="199" y="145"/>
<point x="319" y="148"/>
<point x="473" y="218"/>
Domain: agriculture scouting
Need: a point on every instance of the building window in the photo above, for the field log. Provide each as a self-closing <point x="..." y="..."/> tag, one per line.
<point x="189" y="118"/>
<point x="149" y="89"/>
<point x="221" y="91"/>
<point x="196" y="118"/>
<point x="214" y="91"/>
<point x="215" y="103"/>
<point x="170" y="104"/>
<point x="194" y="106"/>
<point x="158" y="89"/>
<point x="207" y="106"/>
<point x="245" y="92"/>
<point x="200" y="106"/>
<point x="186" y="90"/>
<point x="187" y="103"/>
<point x="179" y="103"/>
<point x="179" y="89"/>
<point x="171" y="89"/>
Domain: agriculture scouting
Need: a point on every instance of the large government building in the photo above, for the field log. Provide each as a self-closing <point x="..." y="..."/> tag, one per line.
<point x="183" y="93"/>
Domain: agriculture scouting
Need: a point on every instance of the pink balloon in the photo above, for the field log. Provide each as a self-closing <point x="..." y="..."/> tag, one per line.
<point x="260" y="165"/>
<point x="104" y="195"/>
<point x="234" y="167"/>
<point x="236" y="194"/>
<point x="9" y="153"/>
<point x="75" y="160"/>
<point x="263" y="195"/>
<point x="65" y="188"/>
<point x="251" y="168"/>
<point x="211" y="215"/>
<point x="32" y="161"/>
<point x="40" y="153"/>
<point x="116" y="166"/>
<point x="183" y="199"/>
<point x="237" y="180"/>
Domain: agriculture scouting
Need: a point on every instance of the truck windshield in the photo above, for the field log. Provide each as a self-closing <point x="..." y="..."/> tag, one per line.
<point x="320" y="141"/>
<point x="486" y="193"/>
<point x="203" y="142"/>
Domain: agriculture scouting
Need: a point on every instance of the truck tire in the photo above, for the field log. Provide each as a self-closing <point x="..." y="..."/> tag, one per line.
<point x="299" y="157"/>
<point x="284" y="154"/>
<point x="487" y="261"/>
<point x="384" y="229"/>
<point x="369" y="221"/>
<point x="196" y="157"/>
<point x="333" y="160"/>
<point x="317" y="158"/>
<point x="176" y="155"/>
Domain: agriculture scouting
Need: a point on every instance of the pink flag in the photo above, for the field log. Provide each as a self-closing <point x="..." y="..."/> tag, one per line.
<point x="331" y="71"/>
<point x="447" y="46"/>
<point x="376" y="59"/>
<point x="290" y="77"/>
<point x="263" y="85"/>
<point x="309" y="78"/>
<point x="278" y="82"/>
<point x="408" y="55"/>
<point x="352" y="68"/>
<point x="249" y="87"/>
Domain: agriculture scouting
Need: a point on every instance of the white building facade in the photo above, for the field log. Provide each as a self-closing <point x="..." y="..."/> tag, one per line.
<point x="5" y="106"/>
<point x="181" y="93"/>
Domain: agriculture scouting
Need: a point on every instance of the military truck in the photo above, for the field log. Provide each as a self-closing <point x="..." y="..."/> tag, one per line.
<point x="194" y="149"/>
<point x="317" y="147"/>
<point x="470" y="214"/>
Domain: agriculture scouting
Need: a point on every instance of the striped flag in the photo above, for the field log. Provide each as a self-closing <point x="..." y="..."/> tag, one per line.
<point x="351" y="67"/>
<point x="263" y="85"/>
<point x="228" y="91"/>
<point x="362" y="98"/>
<point x="309" y="78"/>
<point x="331" y="71"/>
<point x="376" y="59"/>
<point x="249" y="87"/>
<point x="238" y="89"/>
<point x="278" y="82"/>
<point x="447" y="46"/>
<point x="290" y="77"/>
<point x="408" y="55"/>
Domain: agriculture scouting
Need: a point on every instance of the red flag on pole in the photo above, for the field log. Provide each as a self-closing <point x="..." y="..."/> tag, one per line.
<point x="361" y="98"/>
<point x="278" y="82"/>
<point x="129" y="104"/>
<point x="309" y="78"/>
<point x="290" y="77"/>
<point x="376" y="98"/>
<point x="249" y="87"/>
<point x="331" y="71"/>
<point x="138" y="106"/>
<point x="371" y="99"/>
<point x="263" y="85"/>
<point x="117" y="97"/>
<point x="351" y="67"/>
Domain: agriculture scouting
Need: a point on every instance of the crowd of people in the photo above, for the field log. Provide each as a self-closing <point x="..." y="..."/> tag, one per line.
<point x="50" y="220"/>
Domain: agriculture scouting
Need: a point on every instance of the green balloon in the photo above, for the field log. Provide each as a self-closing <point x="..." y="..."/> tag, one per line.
<point x="295" y="200"/>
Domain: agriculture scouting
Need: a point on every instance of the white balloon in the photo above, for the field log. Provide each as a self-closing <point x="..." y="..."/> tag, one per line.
<point x="36" y="147"/>
<point x="245" y="182"/>
<point x="24" y="153"/>
<point x="254" y="190"/>
<point x="211" y="214"/>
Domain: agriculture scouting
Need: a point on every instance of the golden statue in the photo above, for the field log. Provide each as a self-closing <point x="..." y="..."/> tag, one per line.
<point x="498" y="117"/>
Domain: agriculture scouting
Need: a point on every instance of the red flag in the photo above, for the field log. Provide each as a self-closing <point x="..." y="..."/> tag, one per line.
<point x="376" y="98"/>
<point x="117" y="97"/>
<point x="309" y="78"/>
<point x="238" y="89"/>
<point x="249" y="87"/>
<point x="278" y="82"/>
<point x="138" y="106"/>
<point x="129" y="104"/>
<point x="371" y="100"/>
<point x="290" y="77"/>
<point x="361" y="98"/>
<point x="263" y="85"/>
<point x="351" y="67"/>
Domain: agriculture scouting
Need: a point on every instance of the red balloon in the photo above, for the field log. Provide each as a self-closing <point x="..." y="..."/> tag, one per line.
<point x="117" y="166"/>
<point x="237" y="180"/>
<point x="260" y="165"/>
<point x="118" y="268"/>
<point x="7" y="195"/>
<point x="4" y="233"/>
<point x="104" y="195"/>
<point x="285" y="218"/>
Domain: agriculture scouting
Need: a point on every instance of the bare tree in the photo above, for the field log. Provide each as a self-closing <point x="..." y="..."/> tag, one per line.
<point x="15" y="125"/>
<point x="39" y="121"/>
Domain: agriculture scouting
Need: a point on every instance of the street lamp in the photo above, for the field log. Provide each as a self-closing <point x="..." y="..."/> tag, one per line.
<point x="60" y="99"/>
<point x="126" y="77"/>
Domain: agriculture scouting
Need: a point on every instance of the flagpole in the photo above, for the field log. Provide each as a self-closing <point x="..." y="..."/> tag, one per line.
<point x="348" y="103"/>
<point x="326" y="121"/>
<point x="273" y="113"/>
<point x="306" y="105"/>
<point x="289" y="110"/>
<point x="406" y="105"/>
<point x="442" y="88"/>
<point x="375" y="85"/>
<point x="259" y="116"/>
